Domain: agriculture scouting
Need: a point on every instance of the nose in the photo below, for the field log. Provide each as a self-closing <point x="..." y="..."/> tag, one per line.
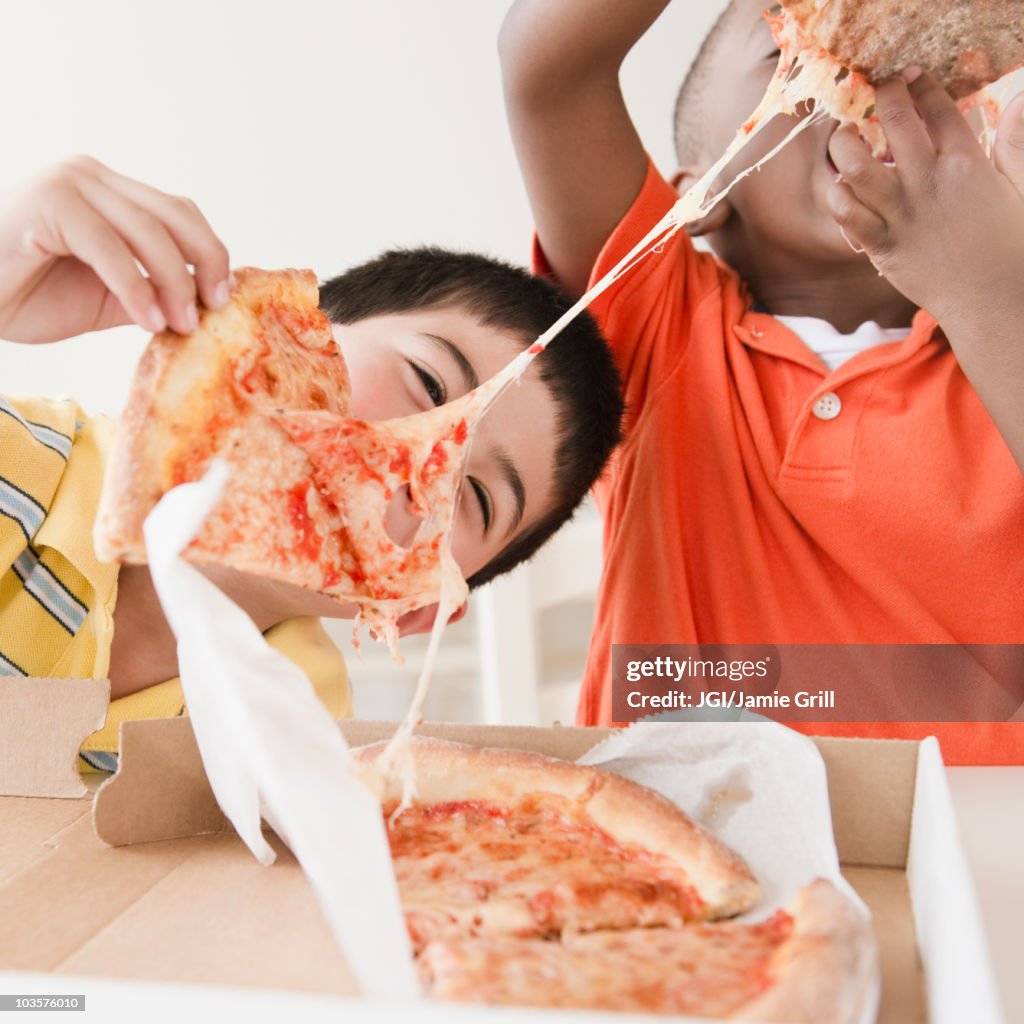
<point x="402" y="520"/>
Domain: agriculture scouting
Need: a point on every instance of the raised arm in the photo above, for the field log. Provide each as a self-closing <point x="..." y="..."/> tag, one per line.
<point x="581" y="158"/>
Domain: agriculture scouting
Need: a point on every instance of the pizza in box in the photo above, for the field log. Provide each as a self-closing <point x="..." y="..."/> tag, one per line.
<point x="531" y="881"/>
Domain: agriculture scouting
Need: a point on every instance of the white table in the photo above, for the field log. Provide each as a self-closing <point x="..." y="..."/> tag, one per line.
<point x="989" y="805"/>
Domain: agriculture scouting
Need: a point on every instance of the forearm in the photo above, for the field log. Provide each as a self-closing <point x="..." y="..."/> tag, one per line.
<point x="553" y="44"/>
<point x="989" y="345"/>
<point x="581" y="158"/>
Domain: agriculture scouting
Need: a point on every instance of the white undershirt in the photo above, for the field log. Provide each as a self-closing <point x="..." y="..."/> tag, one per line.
<point x="834" y="348"/>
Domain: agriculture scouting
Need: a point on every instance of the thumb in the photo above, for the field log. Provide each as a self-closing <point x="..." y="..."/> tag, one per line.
<point x="1009" y="148"/>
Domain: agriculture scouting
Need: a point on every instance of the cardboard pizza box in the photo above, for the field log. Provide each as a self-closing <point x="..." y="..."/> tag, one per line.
<point x="179" y="917"/>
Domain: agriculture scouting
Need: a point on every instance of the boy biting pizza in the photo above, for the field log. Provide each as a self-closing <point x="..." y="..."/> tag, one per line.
<point x="83" y="248"/>
<point x="823" y="436"/>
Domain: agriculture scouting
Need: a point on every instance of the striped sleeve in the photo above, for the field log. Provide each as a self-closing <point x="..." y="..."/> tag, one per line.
<point x="56" y="599"/>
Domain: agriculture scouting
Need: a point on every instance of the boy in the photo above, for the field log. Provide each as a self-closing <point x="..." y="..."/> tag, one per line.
<point x="417" y="328"/>
<point x="773" y="486"/>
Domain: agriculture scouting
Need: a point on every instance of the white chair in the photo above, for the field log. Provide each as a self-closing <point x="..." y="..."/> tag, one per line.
<point x="522" y="684"/>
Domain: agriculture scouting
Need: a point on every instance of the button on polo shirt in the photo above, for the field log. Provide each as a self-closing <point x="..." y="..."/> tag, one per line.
<point x="828" y="407"/>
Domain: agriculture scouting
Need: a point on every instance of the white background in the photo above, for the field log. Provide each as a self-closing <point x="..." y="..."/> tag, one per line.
<point x="312" y="133"/>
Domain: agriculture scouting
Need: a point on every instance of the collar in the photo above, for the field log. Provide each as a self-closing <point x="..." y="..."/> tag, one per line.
<point x="760" y="331"/>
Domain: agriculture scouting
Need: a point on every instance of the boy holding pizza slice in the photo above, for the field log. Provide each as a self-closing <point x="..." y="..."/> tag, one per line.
<point x="824" y="427"/>
<point x="83" y="248"/>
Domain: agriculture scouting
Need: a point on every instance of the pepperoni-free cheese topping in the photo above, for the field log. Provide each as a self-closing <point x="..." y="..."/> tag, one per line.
<point x="813" y="962"/>
<point x="708" y="970"/>
<point x="530" y="869"/>
<point x="358" y="468"/>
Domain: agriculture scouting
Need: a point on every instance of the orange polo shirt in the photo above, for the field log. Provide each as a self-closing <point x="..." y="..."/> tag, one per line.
<point x="760" y="498"/>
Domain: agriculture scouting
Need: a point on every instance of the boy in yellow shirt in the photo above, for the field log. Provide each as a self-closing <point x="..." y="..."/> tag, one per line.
<point x="83" y="248"/>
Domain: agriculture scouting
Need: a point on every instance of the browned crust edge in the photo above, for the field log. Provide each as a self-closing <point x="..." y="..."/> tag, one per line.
<point x="630" y="813"/>
<point x="826" y="972"/>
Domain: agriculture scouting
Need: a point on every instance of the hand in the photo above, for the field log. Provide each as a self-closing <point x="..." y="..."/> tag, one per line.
<point x="72" y="242"/>
<point x="945" y="224"/>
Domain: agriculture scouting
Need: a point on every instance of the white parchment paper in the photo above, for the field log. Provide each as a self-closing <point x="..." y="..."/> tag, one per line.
<point x="271" y="750"/>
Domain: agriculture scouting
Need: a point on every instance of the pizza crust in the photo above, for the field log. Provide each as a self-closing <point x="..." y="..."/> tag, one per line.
<point x="825" y="973"/>
<point x="631" y="814"/>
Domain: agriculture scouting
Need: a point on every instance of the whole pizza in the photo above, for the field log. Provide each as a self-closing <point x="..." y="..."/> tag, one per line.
<point x="527" y="880"/>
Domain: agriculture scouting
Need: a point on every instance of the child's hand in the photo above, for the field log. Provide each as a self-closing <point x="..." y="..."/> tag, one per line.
<point x="71" y="245"/>
<point x="946" y="224"/>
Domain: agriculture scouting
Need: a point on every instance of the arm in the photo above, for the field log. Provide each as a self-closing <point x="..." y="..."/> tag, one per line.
<point x="72" y="240"/>
<point x="581" y="158"/>
<point x="946" y="227"/>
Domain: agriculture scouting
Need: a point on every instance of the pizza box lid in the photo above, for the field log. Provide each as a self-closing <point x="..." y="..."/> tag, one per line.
<point x="183" y="902"/>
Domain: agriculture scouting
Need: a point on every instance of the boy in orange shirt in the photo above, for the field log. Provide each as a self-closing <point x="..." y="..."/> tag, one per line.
<point x="824" y="424"/>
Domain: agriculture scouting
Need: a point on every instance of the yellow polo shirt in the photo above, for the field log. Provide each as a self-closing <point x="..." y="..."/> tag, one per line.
<point x="57" y="598"/>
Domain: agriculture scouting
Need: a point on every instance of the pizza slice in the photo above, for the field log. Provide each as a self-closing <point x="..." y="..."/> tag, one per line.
<point x="503" y="842"/>
<point x="262" y="384"/>
<point x="833" y="52"/>
<point x="814" y="962"/>
<point x="965" y="44"/>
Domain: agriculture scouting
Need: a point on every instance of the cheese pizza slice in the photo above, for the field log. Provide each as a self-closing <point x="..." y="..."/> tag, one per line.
<point x="262" y="384"/>
<point x="834" y="52"/>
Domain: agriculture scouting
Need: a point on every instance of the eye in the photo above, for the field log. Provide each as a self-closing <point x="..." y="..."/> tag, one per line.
<point x="486" y="509"/>
<point x="433" y="386"/>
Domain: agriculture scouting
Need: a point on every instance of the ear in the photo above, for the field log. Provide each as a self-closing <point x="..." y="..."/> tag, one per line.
<point x="682" y="181"/>
<point x="422" y="619"/>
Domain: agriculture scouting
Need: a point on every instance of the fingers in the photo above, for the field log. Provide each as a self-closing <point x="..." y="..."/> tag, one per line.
<point x="148" y="240"/>
<point x="81" y="231"/>
<point x="924" y="128"/>
<point x="911" y="145"/>
<point x="124" y="221"/>
<point x="874" y="184"/>
<point x="1009" y="148"/>
<point x="187" y="227"/>
<point x="920" y="119"/>
<point x="946" y="125"/>
<point x="862" y="227"/>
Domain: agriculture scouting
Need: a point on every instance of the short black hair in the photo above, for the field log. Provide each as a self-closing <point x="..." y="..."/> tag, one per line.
<point x="577" y="367"/>
<point x="688" y="114"/>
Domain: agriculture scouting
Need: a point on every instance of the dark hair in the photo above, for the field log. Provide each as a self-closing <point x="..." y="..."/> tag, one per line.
<point x="577" y="368"/>
<point x="688" y="113"/>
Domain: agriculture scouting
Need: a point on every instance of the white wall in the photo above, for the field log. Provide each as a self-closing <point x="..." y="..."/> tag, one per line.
<point x="311" y="132"/>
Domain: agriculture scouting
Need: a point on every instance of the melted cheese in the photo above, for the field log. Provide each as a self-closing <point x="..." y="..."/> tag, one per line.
<point x="710" y="970"/>
<point x="473" y="868"/>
